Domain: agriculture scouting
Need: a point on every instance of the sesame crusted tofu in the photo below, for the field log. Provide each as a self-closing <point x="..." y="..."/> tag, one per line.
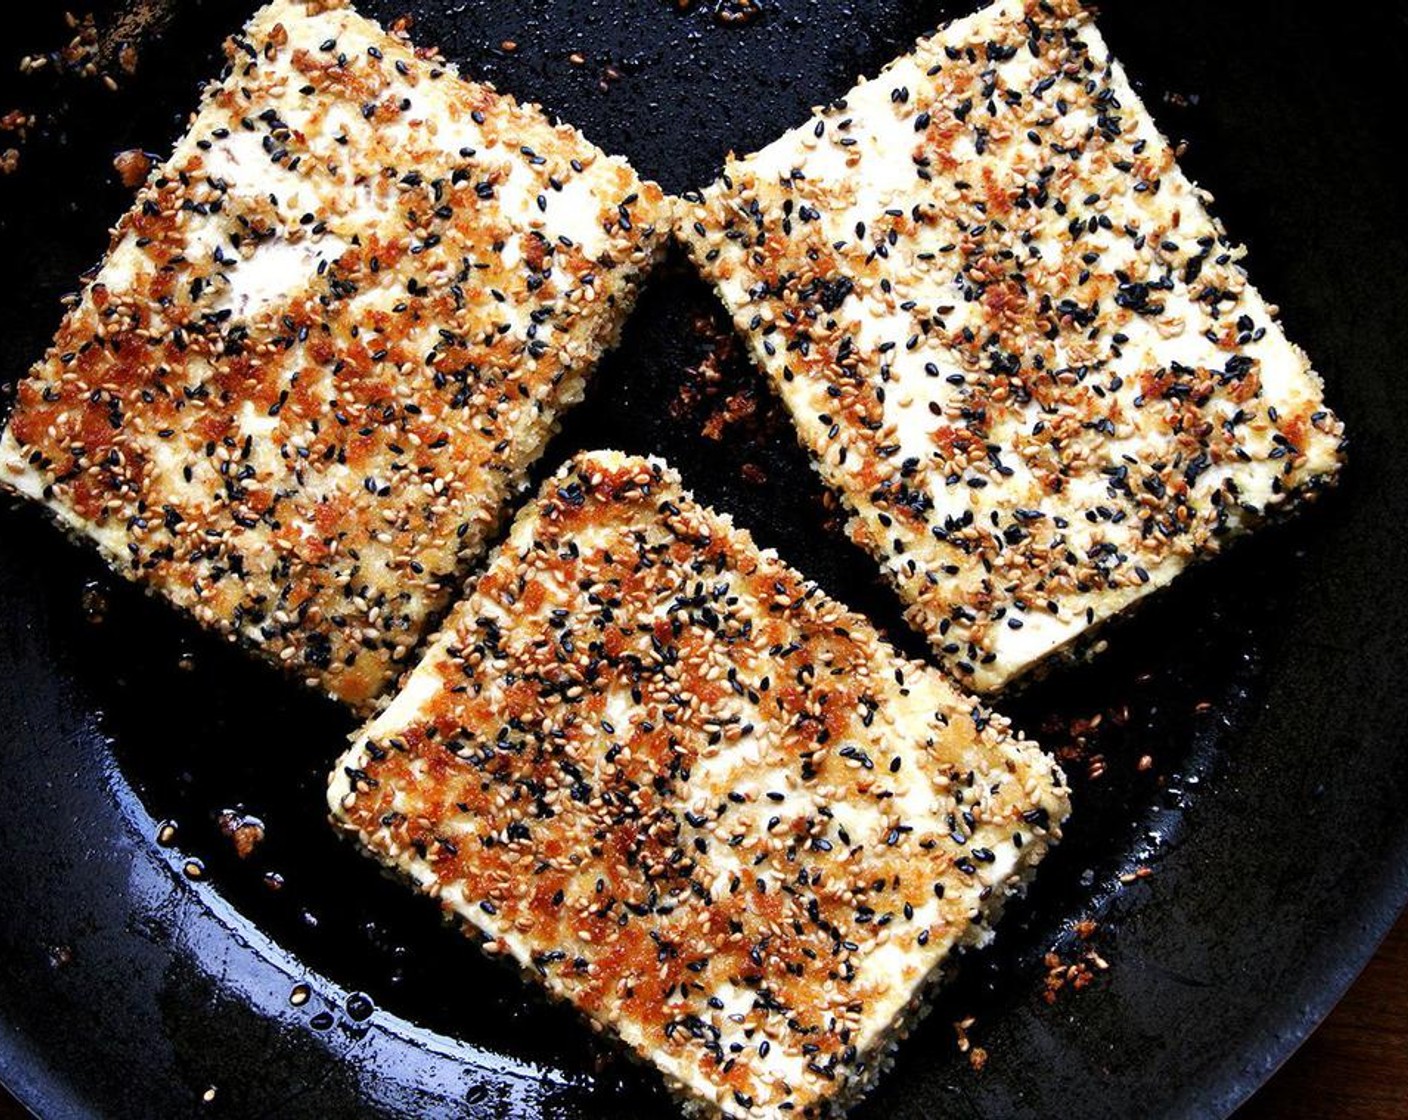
<point x="695" y="797"/>
<point x="335" y="328"/>
<point x="1011" y="336"/>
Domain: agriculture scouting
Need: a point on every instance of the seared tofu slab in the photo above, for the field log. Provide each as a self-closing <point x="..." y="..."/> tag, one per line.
<point x="695" y="797"/>
<point x="1011" y="336"/>
<point x="332" y="332"/>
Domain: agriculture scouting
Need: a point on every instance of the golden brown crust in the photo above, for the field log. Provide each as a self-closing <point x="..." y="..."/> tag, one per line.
<point x="1011" y="335"/>
<point x="333" y="331"/>
<point x="694" y="796"/>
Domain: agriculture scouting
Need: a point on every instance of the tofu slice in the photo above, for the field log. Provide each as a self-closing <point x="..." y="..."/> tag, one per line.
<point x="327" y="340"/>
<point x="695" y="797"/>
<point x="1011" y="336"/>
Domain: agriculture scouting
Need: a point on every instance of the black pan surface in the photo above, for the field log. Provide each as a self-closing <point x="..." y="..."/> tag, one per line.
<point x="1249" y="749"/>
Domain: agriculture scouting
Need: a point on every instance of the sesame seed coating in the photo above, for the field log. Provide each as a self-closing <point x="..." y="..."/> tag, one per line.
<point x="690" y="794"/>
<point x="335" y="328"/>
<point x="1011" y="336"/>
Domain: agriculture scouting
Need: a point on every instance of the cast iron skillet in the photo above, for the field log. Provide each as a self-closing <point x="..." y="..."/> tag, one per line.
<point x="1265" y="690"/>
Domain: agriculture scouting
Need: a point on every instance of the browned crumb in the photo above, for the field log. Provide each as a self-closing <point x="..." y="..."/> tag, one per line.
<point x="728" y="13"/>
<point x="700" y="381"/>
<point x="94" y="602"/>
<point x="977" y="1055"/>
<point x="1072" y="741"/>
<point x="132" y="166"/>
<point x="722" y="392"/>
<point x="17" y="121"/>
<point x="737" y="13"/>
<point x="739" y="406"/>
<point x="1074" y="968"/>
<point x="1059" y="975"/>
<point x="1077" y="741"/>
<point x="833" y="514"/>
<point x="138" y="21"/>
<point x="723" y="395"/>
<point x="244" y="831"/>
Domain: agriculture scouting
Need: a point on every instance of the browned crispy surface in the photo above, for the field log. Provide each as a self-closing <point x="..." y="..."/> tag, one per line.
<point x="696" y="797"/>
<point x="1012" y="336"/>
<point x="333" y="330"/>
